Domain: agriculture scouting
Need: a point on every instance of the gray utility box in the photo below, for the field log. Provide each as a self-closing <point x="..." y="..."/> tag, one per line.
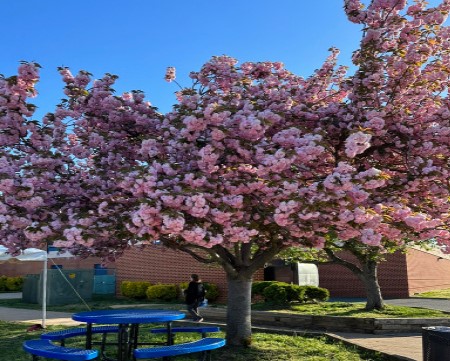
<point x="67" y="286"/>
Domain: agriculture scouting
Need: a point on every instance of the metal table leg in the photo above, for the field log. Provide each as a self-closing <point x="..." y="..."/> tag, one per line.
<point x="122" y="342"/>
<point x="133" y="341"/>
<point x="89" y="336"/>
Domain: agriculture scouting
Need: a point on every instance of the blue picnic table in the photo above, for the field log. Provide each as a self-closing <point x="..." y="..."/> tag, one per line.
<point x="125" y="323"/>
<point x="128" y="322"/>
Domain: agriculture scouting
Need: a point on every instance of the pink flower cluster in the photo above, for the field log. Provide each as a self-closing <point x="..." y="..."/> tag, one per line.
<point x="170" y="74"/>
<point x="356" y="143"/>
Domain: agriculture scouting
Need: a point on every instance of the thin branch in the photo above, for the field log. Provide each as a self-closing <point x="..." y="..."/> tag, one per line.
<point x="337" y="260"/>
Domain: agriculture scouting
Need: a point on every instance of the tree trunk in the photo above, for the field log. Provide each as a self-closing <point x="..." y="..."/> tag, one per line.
<point x="366" y="271"/>
<point x="369" y="277"/>
<point x="239" y="326"/>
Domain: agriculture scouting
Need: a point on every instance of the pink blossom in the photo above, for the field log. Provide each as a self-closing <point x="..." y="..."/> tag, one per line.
<point x="369" y="237"/>
<point x="170" y="74"/>
<point x="195" y="236"/>
<point x="418" y="221"/>
<point x="172" y="225"/>
<point x="357" y="143"/>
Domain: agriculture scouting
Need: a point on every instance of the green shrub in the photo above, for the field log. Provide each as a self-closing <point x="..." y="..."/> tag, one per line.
<point x="14" y="284"/>
<point x="282" y="293"/>
<point x="124" y="288"/>
<point x="183" y="287"/>
<point x="163" y="292"/>
<point x="259" y="286"/>
<point x="134" y="289"/>
<point x="3" y="283"/>
<point x="295" y="293"/>
<point x="313" y="293"/>
<point x="275" y="293"/>
<point x="212" y="291"/>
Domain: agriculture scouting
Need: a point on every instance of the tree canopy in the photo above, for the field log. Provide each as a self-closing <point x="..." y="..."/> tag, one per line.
<point x="251" y="160"/>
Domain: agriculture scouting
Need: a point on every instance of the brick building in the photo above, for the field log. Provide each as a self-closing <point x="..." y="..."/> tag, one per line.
<point x="402" y="275"/>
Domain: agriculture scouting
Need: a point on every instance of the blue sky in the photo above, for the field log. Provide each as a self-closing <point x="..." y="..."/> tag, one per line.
<point x="138" y="39"/>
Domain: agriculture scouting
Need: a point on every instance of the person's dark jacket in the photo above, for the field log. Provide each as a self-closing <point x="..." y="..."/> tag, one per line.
<point x="194" y="293"/>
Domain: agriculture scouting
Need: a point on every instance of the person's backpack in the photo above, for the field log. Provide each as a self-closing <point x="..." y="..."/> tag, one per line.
<point x="201" y="293"/>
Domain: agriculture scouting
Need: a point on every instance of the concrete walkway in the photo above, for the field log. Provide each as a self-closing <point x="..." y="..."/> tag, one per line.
<point x="440" y="304"/>
<point x="407" y="347"/>
<point x="32" y="316"/>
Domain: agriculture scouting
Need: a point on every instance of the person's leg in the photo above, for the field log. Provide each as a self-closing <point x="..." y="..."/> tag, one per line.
<point x="199" y="317"/>
<point x="193" y="310"/>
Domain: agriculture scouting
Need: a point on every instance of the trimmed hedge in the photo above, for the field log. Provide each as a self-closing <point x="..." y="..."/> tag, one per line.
<point x="281" y="293"/>
<point x="318" y="294"/>
<point x="134" y="289"/>
<point x="259" y="286"/>
<point x="11" y="284"/>
<point x="163" y="292"/>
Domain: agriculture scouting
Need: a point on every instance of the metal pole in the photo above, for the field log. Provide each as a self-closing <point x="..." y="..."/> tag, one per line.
<point x="44" y="293"/>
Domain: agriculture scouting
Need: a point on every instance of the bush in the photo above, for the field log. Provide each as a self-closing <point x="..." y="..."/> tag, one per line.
<point x="295" y="293"/>
<point x="313" y="293"/>
<point x="259" y="286"/>
<point x="14" y="284"/>
<point x="212" y="291"/>
<point x="275" y="293"/>
<point x="162" y="292"/>
<point x="134" y="289"/>
<point x="3" y="283"/>
<point x="282" y="293"/>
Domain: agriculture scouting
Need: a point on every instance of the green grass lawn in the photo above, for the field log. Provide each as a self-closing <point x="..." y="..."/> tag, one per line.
<point x="354" y="309"/>
<point x="435" y="294"/>
<point x="350" y="309"/>
<point x="265" y="347"/>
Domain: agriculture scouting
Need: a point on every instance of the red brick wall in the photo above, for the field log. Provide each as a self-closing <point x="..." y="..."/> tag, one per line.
<point x="401" y="275"/>
<point x="427" y="272"/>
<point x="392" y="276"/>
<point x="161" y="265"/>
<point x="22" y="268"/>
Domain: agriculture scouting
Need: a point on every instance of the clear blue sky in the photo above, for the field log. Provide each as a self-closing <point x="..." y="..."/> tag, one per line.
<point x="138" y="39"/>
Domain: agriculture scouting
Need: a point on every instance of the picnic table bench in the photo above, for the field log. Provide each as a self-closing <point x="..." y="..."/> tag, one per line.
<point x="45" y="348"/>
<point x="204" y="330"/>
<point x="204" y="345"/>
<point x="80" y="331"/>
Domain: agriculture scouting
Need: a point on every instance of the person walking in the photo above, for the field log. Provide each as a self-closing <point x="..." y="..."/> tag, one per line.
<point x="195" y="294"/>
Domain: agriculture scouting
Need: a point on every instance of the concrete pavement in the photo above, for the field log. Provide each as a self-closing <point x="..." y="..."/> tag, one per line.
<point x="10" y="295"/>
<point x="32" y="316"/>
<point x="440" y="304"/>
<point x="407" y="347"/>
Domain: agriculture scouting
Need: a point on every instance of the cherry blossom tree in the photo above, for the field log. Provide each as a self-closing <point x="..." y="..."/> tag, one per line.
<point x="252" y="160"/>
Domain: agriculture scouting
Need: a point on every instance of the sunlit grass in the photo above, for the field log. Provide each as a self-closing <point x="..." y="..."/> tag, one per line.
<point x="265" y="347"/>
<point x="356" y="309"/>
<point x="435" y="294"/>
<point x="349" y="309"/>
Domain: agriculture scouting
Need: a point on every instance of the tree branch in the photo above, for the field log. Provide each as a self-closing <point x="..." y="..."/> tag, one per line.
<point x="338" y="260"/>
